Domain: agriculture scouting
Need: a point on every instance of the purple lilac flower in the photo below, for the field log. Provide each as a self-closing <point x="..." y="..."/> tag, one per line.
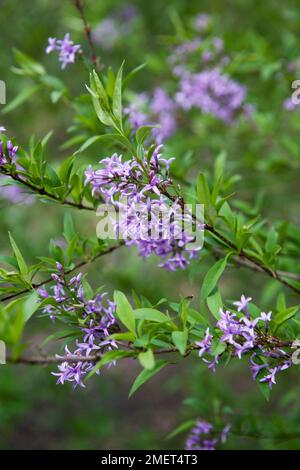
<point x="243" y="335"/>
<point x="256" y="368"/>
<point x="242" y="305"/>
<point x="203" y="436"/>
<point x="201" y="22"/>
<point x="289" y="105"/>
<point x="97" y="313"/>
<point x="224" y="433"/>
<point x="271" y="377"/>
<point x="212" y="92"/>
<point x="146" y="217"/>
<point x="205" y="344"/>
<point x="266" y="317"/>
<point x="8" y="153"/>
<point x="107" y="34"/>
<point x="164" y="108"/>
<point x="159" y="109"/>
<point x="66" y="48"/>
<point x="2" y="129"/>
<point x="14" y="194"/>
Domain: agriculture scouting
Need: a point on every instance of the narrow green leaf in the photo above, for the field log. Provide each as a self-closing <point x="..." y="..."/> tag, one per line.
<point x="151" y="314"/>
<point x="282" y="317"/>
<point x="20" y="98"/>
<point x="212" y="277"/>
<point x="146" y="375"/>
<point x="215" y="303"/>
<point x="124" y="311"/>
<point x="117" y="96"/>
<point x="21" y="262"/>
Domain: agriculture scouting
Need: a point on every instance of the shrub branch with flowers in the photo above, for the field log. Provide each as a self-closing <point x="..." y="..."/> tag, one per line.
<point x="99" y="329"/>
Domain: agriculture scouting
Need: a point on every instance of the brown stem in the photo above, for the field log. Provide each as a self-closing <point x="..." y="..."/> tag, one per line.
<point x="43" y="192"/>
<point x="87" y="31"/>
<point x="45" y="360"/>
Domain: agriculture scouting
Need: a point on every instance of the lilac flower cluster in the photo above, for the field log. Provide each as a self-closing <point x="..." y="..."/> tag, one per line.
<point x="66" y="48"/>
<point x="137" y="189"/>
<point x="213" y="92"/>
<point x="112" y="29"/>
<point x="96" y="316"/>
<point x="244" y="335"/>
<point x="12" y="193"/>
<point x="7" y="152"/>
<point x="158" y="108"/>
<point x="209" y="89"/>
<point x="203" y="436"/>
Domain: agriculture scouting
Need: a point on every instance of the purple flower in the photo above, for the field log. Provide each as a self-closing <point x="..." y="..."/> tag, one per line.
<point x="97" y="313"/>
<point x="66" y="48"/>
<point x="224" y="433"/>
<point x="8" y="154"/>
<point x="271" y="377"/>
<point x="256" y="368"/>
<point x="52" y="45"/>
<point x="203" y="436"/>
<point x="145" y="216"/>
<point x="205" y="344"/>
<point x="290" y="105"/>
<point x="201" y="22"/>
<point x="211" y="365"/>
<point x="242" y="305"/>
<point x="266" y="317"/>
<point x="212" y="92"/>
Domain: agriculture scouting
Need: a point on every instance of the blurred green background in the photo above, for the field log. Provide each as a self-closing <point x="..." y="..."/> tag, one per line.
<point x="264" y="39"/>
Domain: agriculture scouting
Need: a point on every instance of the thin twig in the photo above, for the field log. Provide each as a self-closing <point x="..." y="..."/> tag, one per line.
<point x="43" y="192"/>
<point x="87" y="31"/>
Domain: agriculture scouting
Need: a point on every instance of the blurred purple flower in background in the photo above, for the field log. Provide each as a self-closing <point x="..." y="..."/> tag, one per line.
<point x="204" y="437"/>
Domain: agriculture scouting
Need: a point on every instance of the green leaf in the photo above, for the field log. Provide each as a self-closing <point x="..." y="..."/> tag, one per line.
<point x="151" y="314"/>
<point x="264" y="388"/>
<point x="282" y="317"/>
<point x="132" y="74"/>
<point x="147" y="359"/>
<point x="181" y="428"/>
<point x="30" y="306"/>
<point x="180" y="340"/>
<point x="66" y="169"/>
<point x="20" y="98"/>
<point x="215" y="303"/>
<point x="100" y="100"/>
<point x="124" y="311"/>
<point x="20" y="260"/>
<point x="142" y="133"/>
<point x="128" y="336"/>
<point x="69" y="230"/>
<point x="203" y="192"/>
<point x="146" y="375"/>
<point x="212" y="277"/>
<point x="117" y="96"/>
